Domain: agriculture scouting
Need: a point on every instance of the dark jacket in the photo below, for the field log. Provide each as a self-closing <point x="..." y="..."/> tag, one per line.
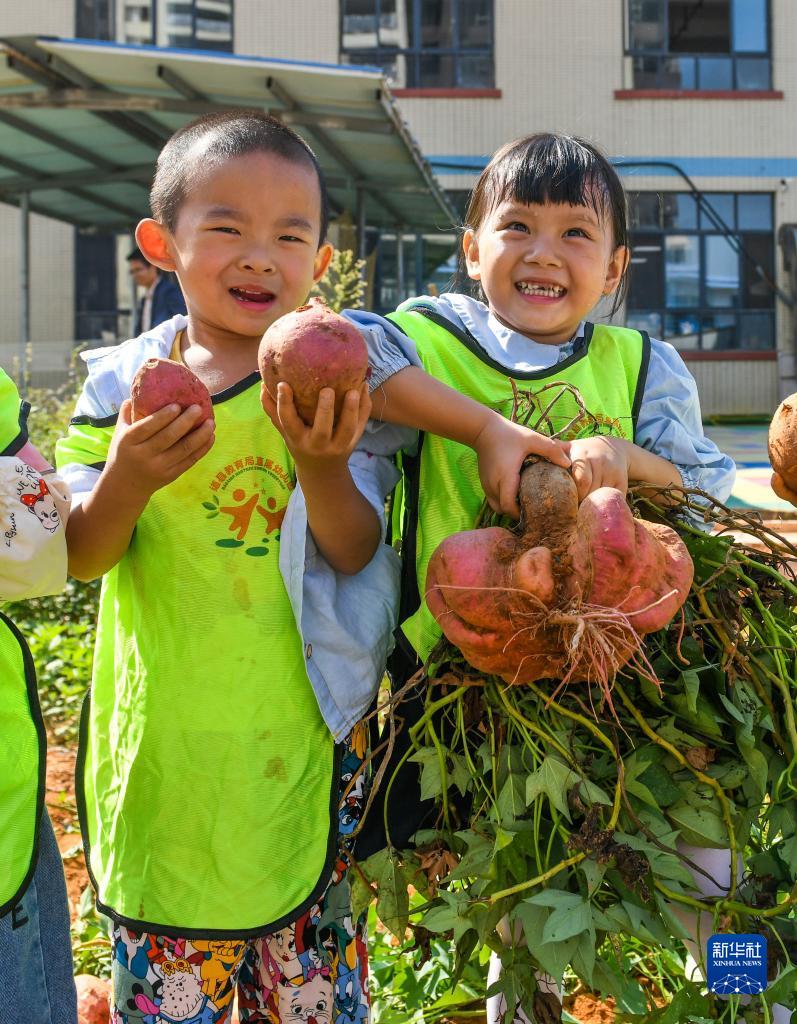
<point x="167" y="299"/>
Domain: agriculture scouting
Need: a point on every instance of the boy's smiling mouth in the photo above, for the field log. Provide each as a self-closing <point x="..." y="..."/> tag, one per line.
<point x="253" y="297"/>
<point x="544" y="291"/>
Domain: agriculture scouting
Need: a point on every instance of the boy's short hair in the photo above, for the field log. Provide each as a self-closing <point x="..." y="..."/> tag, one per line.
<point x="230" y="133"/>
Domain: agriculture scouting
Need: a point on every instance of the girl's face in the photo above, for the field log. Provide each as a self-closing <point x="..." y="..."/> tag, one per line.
<point x="543" y="267"/>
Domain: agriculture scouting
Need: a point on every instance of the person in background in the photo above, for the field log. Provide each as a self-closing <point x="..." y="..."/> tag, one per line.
<point x="35" y="954"/>
<point x="162" y="297"/>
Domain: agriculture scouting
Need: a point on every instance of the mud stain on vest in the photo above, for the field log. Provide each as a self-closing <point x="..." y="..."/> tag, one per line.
<point x="240" y="590"/>
<point x="275" y="769"/>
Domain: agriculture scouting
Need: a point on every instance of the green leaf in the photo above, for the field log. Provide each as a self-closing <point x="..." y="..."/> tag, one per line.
<point x="691" y="681"/>
<point x="554" y="779"/>
<point x="784" y="986"/>
<point x="700" y="826"/>
<point x="593" y="873"/>
<point x="511" y="804"/>
<point x="392" y="903"/>
<point x="431" y="775"/>
<point x="567" y="922"/>
<point x="583" y="959"/>
<point x="362" y="895"/>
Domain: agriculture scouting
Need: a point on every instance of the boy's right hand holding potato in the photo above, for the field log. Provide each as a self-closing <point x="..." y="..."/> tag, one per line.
<point x="143" y="457"/>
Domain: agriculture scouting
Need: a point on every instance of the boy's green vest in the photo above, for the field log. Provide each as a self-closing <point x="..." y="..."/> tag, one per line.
<point x="208" y="778"/>
<point x="22" y="765"/>
<point x="441" y="493"/>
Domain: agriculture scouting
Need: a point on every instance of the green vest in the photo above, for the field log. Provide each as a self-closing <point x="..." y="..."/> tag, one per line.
<point x="441" y="491"/>
<point x="22" y="765"/>
<point x="209" y="780"/>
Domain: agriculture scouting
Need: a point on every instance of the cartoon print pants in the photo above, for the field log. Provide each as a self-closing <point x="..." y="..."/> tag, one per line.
<point x="314" y="971"/>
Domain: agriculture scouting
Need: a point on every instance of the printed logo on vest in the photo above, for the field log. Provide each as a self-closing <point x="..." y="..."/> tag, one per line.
<point x="736" y="964"/>
<point x="249" y="500"/>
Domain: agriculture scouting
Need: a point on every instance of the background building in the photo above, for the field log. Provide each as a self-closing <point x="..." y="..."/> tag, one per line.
<point x="696" y="99"/>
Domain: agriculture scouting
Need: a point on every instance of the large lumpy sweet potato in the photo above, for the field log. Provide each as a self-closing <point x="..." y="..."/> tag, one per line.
<point x="161" y="382"/>
<point x="310" y="349"/>
<point x="567" y="595"/>
<point x="783" y="441"/>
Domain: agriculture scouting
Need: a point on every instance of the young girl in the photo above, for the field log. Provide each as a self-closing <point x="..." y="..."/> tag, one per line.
<point x="545" y="240"/>
<point x="35" y="954"/>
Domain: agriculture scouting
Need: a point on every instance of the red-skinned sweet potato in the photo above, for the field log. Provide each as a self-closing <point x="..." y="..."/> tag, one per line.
<point x="161" y="382"/>
<point x="783" y="442"/>
<point x="310" y="349"/>
<point x="568" y="594"/>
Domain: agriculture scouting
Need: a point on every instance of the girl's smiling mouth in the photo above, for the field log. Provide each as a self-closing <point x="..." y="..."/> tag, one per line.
<point x="540" y="291"/>
<point x="252" y="297"/>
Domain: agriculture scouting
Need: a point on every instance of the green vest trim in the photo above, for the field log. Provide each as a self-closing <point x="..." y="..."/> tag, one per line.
<point x="23" y="754"/>
<point x="214" y="810"/>
<point x="609" y="368"/>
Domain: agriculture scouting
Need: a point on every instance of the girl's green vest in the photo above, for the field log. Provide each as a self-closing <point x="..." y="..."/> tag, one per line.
<point x="209" y="780"/>
<point x="22" y="765"/>
<point x="441" y="493"/>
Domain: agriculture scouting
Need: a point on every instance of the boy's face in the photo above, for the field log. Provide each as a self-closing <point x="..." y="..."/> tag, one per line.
<point x="245" y="245"/>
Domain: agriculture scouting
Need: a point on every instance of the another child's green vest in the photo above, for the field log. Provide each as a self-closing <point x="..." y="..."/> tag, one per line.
<point x="22" y="765"/>
<point x="441" y="492"/>
<point x="208" y="780"/>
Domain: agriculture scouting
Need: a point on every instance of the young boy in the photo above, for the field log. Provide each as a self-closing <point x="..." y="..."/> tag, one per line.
<point x="211" y="789"/>
<point x="35" y="954"/>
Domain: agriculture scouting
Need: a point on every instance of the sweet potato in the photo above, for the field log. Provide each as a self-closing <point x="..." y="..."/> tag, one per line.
<point x="161" y="382"/>
<point x="568" y="594"/>
<point x="783" y="441"/>
<point x="310" y="349"/>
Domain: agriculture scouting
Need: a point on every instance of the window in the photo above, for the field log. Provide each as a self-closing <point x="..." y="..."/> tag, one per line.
<point x="700" y="44"/>
<point x="694" y="279"/>
<point x="437" y="44"/>
<point x="189" y="24"/>
<point x="94" y="19"/>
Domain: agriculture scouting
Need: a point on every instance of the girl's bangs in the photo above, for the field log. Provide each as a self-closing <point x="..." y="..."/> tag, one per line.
<point x="558" y="171"/>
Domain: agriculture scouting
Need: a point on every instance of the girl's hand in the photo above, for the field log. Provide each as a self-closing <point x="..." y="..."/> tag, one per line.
<point x="152" y="452"/>
<point x="782" y="491"/>
<point x="600" y="462"/>
<point x="320" y="446"/>
<point x="501" y="447"/>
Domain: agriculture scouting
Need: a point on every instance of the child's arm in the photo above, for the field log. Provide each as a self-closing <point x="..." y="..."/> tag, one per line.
<point x="671" y="448"/>
<point x="344" y="524"/>
<point x="142" y="458"/>
<point x="411" y="397"/>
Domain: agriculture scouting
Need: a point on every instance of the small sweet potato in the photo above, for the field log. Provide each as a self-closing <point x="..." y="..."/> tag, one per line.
<point x="783" y="441"/>
<point x="310" y="349"/>
<point x="161" y="382"/>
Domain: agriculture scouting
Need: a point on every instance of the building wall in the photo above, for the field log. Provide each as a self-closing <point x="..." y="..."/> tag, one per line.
<point x="299" y="30"/>
<point x="51" y="269"/>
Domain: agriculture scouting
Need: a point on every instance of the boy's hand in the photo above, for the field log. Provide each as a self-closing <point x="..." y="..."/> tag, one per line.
<point x="782" y="491"/>
<point x="152" y="452"/>
<point x="325" y="443"/>
<point x="600" y="462"/>
<point x="501" y="447"/>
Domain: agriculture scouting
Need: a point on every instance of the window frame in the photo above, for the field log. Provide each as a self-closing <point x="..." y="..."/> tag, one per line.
<point x="706" y="227"/>
<point x="664" y="54"/>
<point x="194" y="43"/>
<point x="415" y="51"/>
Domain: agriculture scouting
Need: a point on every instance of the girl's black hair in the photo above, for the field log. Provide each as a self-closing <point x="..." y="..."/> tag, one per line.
<point x="229" y="134"/>
<point x="551" y="168"/>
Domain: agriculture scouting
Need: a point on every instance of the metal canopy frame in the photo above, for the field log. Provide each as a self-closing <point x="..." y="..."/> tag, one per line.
<point x="81" y="123"/>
